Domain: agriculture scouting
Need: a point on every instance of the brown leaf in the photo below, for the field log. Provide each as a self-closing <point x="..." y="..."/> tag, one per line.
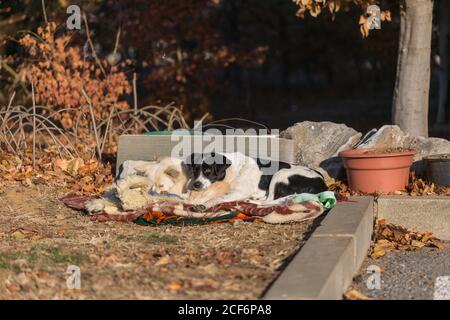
<point x="437" y="244"/>
<point x="417" y="244"/>
<point x="426" y="236"/>
<point x="18" y="234"/>
<point x="355" y="295"/>
<point x="163" y="261"/>
<point x="89" y="188"/>
<point x="61" y="164"/>
<point x="175" y="286"/>
<point x="378" y="252"/>
<point x="88" y="169"/>
<point x="224" y="257"/>
<point x="73" y="166"/>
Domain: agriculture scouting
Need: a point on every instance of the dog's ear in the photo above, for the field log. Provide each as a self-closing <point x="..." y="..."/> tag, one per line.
<point x="226" y="162"/>
<point x="187" y="169"/>
<point x="220" y="167"/>
<point x="172" y="172"/>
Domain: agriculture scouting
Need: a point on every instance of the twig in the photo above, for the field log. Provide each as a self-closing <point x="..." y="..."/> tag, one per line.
<point x="116" y="45"/>
<point x="14" y="74"/>
<point x="134" y="93"/>
<point x="34" y="124"/>
<point x="91" y="44"/>
<point x="11" y="100"/>
<point x="44" y="11"/>
<point x="91" y="110"/>
<point x="13" y="19"/>
<point x="200" y="121"/>
<point x="106" y="130"/>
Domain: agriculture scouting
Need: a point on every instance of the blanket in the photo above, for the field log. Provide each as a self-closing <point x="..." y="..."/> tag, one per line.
<point x="296" y="208"/>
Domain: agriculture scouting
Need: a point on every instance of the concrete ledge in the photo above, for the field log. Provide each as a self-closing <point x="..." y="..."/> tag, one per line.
<point x="421" y="213"/>
<point x="324" y="267"/>
<point x="151" y="147"/>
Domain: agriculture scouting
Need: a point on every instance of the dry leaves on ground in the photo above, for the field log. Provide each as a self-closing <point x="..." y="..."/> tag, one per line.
<point x="416" y="187"/>
<point x="390" y="237"/>
<point x="420" y="187"/>
<point x="84" y="176"/>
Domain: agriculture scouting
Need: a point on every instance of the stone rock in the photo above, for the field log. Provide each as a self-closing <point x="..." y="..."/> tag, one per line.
<point x="386" y="137"/>
<point x="318" y="144"/>
<point x="392" y="137"/>
<point x="427" y="146"/>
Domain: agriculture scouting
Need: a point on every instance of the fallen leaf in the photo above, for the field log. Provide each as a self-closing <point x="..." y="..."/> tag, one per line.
<point x="378" y="252"/>
<point x="27" y="182"/>
<point x="437" y="244"/>
<point x="74" y="165"/>
<point x="224" y="257"/>
<point x="88" y="168"/>
<point x="204" y="284"/>
<point x="355" y="295"/>
<point x="175" y="285"/>
<point x="417" y="244"/>
<point x="18" y="234"/>
<point x="60" y="216"/>
<point x="89" y="188"/>
<point x="163" y="261"/>
<point x="61" y="164"/>
<point x="426" y="236"/>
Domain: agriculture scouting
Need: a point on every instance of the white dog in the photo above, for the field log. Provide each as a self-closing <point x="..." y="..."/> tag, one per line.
<point x="137" y="184"/>
<point x="249" y="178"/>
<point x="140" y="183"/>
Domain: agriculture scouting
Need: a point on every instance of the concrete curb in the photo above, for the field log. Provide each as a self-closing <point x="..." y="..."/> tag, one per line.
<point x="325" y="266"/>
<point x="424" y="213"/>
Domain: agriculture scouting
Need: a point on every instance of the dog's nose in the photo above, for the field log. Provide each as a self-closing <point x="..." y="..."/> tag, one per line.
<point x="197" y="185"/>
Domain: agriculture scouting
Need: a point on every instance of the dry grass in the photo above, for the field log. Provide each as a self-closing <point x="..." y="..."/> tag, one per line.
<point x="39" y="238"/>
<point x="23" y="129"/>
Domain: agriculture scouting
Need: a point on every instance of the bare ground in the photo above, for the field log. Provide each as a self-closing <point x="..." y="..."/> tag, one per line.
<point x="40" y="238"/>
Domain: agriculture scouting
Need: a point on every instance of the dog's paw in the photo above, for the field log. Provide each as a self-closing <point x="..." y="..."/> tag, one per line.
<point x="96" y="205"/>
<point x="198" y="208"/>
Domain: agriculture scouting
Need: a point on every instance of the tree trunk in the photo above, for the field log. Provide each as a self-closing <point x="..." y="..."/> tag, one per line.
<point x="443" y="63"/>
<point x="411" y="92"/>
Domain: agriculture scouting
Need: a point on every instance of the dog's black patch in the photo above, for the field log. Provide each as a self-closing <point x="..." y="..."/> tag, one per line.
<point x="299" y="184"/>
<point x="213" y="166"/>
<point x="268" y="169"/>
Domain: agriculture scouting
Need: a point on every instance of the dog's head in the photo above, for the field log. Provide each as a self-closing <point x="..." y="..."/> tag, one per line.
<point x="203" y="170"/>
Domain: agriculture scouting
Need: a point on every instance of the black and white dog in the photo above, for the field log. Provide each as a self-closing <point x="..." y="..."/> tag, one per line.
<point x="249" y="178"/>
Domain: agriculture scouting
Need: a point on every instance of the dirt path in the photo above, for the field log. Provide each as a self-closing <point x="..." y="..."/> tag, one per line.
<point x="40" y="238"/>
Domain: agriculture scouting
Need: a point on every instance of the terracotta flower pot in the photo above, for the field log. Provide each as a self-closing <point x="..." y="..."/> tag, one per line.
<point x="377" y="170"/>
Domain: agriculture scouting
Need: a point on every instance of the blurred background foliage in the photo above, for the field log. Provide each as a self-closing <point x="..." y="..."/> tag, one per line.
<point x="246" y="58"/>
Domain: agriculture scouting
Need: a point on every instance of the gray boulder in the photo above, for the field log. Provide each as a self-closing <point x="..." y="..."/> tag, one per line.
<point x="392" y="137"/>
<point x="386" y="137"/>
<point x="318" y="144"/>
